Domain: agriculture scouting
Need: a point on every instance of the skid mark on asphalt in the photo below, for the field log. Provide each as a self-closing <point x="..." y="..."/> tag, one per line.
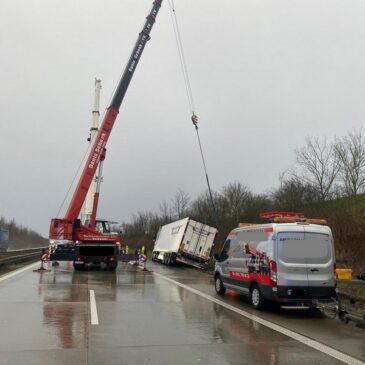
<point x="294" y="335"/>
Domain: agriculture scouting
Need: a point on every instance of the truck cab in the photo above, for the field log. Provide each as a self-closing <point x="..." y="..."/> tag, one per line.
<point x="103" y="253"/>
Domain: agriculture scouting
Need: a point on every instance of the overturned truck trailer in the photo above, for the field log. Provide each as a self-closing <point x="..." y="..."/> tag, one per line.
<point x="185" y="241"/>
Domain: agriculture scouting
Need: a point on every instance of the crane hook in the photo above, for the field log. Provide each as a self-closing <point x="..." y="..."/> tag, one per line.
<point x="194" y="119"/>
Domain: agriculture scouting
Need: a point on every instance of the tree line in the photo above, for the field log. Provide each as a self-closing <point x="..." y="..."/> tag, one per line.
<point x="328" y="181"/>
<point x="21" y="237"/>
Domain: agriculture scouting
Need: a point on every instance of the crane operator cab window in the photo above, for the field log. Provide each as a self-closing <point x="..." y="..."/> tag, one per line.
<point x="102" y="226"/>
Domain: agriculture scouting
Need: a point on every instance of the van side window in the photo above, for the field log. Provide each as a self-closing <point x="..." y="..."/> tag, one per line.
<point x="266" y="247"/>
<point x="237" y="249"/>
<point x="225" y="250"/>
<point x="260" y="241"/>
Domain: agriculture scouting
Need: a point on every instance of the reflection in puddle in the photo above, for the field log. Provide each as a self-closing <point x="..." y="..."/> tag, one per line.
<point x="70" y="322"/>
<point x="65" y="295"/>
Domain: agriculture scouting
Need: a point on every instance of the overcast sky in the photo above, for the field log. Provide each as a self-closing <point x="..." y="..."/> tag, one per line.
<point x="264" y="75"/>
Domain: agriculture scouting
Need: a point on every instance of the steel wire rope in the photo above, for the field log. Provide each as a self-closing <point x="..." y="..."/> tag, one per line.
<point x="73" y="180"/>
<point x="76" y="174"/>
<point x="180" y="48"/>
<point x="189" y="92"/>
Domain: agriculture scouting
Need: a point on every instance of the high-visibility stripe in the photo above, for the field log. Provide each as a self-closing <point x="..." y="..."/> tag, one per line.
<point x="261" y="278"/>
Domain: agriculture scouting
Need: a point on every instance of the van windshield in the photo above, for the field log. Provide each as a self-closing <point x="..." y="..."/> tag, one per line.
<point x="300" y="247"/>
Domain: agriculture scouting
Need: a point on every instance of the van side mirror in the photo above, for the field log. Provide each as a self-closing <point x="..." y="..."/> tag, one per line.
<point x="216" y="256"/>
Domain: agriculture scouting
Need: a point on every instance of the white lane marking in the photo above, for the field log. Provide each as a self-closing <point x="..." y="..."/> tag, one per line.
<point x="296" y="336"/>
<point x="17" y="272"/>
<point x="93" y="310"/>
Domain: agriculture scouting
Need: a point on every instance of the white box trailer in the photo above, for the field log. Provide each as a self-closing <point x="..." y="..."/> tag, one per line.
<point x="185" y="241"/>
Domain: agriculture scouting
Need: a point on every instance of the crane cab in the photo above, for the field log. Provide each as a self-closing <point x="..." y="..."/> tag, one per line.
<point x="101" y="225"/>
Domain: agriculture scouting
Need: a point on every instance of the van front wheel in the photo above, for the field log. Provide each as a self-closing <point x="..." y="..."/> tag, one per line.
<point x="219" y="288"/>
<point x="256" y="297"/>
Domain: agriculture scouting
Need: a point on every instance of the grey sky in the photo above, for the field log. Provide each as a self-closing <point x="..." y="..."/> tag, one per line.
<point x="264" y="75"/>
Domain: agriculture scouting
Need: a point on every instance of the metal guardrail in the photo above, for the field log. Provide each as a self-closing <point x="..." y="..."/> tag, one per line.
<point x="20" y="258"/>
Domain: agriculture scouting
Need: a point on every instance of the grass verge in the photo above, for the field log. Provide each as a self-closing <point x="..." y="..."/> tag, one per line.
<point x="5" y="269"/>
<point x="352" y="296"/>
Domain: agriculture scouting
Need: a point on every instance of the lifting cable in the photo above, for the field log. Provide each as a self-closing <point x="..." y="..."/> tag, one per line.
<point x="76" y="174"/>
<point x="194" y="117"/>
<point x="73" y="180"/>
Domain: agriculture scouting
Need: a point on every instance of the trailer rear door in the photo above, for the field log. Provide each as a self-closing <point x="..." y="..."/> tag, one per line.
<point x="198" y="239"/>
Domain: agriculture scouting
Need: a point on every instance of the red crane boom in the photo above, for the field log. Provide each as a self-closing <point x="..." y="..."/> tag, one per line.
<point x="70" y="227"/>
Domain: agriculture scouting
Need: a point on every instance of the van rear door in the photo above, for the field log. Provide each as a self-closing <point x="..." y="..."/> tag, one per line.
<point x="320" y="261"/>
<point x="291" y="265"/>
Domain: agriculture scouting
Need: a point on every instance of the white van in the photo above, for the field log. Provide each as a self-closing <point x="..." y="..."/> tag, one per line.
<point x="289" y="263"/>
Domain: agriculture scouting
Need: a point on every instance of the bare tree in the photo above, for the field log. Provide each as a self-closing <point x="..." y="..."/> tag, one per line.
<point x="202" y="209"/>
<point x="320" y="166"/>
<point x="293" y="194"/>
<point x="143" y="223"/>
<point x="351" y="153"/>
<point x="21" y="237"/>
<point x="235" y="197"/>
<point x="180" y="204"/>
<point x="165" y="212"/>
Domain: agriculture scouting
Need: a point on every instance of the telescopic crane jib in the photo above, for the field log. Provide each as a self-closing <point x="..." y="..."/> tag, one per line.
<point x="70" y="227"/>
<point x="88" y="209"/>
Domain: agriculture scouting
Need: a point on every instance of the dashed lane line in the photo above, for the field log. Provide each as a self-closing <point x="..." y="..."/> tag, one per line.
<point x="93" y="309"/>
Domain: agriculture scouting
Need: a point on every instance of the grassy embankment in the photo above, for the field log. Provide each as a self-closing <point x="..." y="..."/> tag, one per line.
<point x="352" y="296"/>
<point x="346" y="217"/>
<point x="11" y="267"/>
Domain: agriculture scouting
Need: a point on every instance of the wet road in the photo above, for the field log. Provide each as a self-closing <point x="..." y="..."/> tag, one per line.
<point x="146" y="318"/>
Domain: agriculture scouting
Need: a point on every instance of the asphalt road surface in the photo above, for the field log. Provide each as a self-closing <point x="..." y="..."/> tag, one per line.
<point x="163" y="316"/>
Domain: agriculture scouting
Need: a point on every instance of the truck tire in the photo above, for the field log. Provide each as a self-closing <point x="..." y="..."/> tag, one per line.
<point x="256" y="298"/>
<point x="218" y="284"/>
<point x="167" y="259"/>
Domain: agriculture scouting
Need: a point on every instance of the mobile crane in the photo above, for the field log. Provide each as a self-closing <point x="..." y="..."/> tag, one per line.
<point x="84" y="243"/>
